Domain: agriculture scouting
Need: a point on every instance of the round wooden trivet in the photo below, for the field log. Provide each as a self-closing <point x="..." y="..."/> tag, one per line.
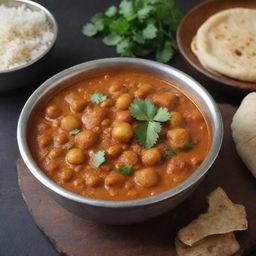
<point x="74" y="236"/>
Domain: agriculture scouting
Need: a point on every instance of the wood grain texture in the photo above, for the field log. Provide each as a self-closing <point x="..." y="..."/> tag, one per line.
<point x="74" y="236"/>
<point x="187" y="30"/>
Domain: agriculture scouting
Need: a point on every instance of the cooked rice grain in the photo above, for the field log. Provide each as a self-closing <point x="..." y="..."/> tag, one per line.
<point x="24" y="35"/>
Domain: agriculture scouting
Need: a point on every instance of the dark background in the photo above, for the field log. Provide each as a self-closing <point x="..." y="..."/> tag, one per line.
<point x="19" y="236"/>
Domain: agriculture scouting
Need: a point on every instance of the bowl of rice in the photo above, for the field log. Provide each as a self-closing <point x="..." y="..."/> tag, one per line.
<point x="28" y="32"/>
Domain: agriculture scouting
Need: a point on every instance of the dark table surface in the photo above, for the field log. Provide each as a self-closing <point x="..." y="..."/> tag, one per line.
<point x="19" y="236"/>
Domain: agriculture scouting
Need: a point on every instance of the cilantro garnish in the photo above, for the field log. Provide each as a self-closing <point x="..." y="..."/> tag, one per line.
<point x="98" y="158"/>
<point x="148" y="132"/>
<point x="138" y="28"/>
<point x="187" y="147"/>
<point x="125" y="170"/>
<point x="74" y="132"/>
<point x="169" y="153"/>
<point x="97" y="97"/>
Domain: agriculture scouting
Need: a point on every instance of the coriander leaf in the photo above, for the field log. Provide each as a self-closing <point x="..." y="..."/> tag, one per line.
<point x="137" y="37"/>
<point x="98" y="158"/>
<point x="124" y="48"/>
<point x="89" y="30"/>
<point x="111" y="39"/>
<point x="111" y="11"/>
<point x="119" y="26"/>
<point x="150" y="31"/>
<point x="143" y="110"/>
<point x="147" y="28"/>
<point x="126" y="8"/>
<point x="74" y="132"/>
<point x="169" y="153"/>
<point x="99" y="21"/>
<point x="144" y="12"/>
<point x="187" y="147"/>
<point x="125" y="170"/>
<point x="147" y="133"/>
<point x="97" y="97"/>
<point x="162" y="115"/>
<point x="165" y="53"/>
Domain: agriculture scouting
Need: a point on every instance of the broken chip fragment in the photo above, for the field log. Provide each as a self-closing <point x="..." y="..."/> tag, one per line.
<point x="215" y="245"/>
<point x="222" y="217"/>
<point x="211" y="234"/>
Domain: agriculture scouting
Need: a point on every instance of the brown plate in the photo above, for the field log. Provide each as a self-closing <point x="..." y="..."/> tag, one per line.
<point x="187" y="30"/>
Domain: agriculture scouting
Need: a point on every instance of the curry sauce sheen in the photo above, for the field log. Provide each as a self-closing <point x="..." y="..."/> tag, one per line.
<point x="70" y="129"/>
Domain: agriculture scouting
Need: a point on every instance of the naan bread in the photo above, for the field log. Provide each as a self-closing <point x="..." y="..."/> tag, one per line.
<point x="226" y="43"/>
<point x="244" y="131"/>
<point x="196" y="51"/>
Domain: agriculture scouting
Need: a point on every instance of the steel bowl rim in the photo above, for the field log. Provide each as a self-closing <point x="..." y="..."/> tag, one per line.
<point x="51" y="185"/>
<point x="54" y="25"/>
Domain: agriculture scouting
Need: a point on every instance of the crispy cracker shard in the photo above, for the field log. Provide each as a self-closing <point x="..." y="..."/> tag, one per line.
<point x="222" y="217"/>
<point x="215" y="245"/>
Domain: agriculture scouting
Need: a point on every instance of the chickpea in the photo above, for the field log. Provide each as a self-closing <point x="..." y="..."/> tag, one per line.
<point x="78" y="105"/>
<point x="176" y="120"/>
<point x="55" y="153"/>
<point x="78" y="183"/>
<point x="114" y="151"/>
<point x="66" y="174"/>
<point x="44" y="141"/>
<point x="151" y="156"/>
<point x="51" y="167"/>
<point x="106" y="122"/>
<point x="85" y="139"/>
<point x="75" y="156"/>
<point x="124" y="116"/>
<point x="122" y="131"/>
<point x="53" y="111"/>
<point x="61" y="138"/>
<point x="178" y="138"/>
<point x="115" y="86"/>
<point x="92" y="180"/>
<point x="165" y="99"/>
<point x="70" y="122"/>
<point x="128" y="158"/>
<point x="136" y="148"/>
<point x="175" y="166"/>
<point x="195" y="161"/>
<point x="143" y="90"/>
<point x="114" y="179"/>
<point x="146" y="177"/>
<point x="107" y="103"/>
<point x="96" y="130"/>
<point x="78" y="168"/>
<point x="193" y="115"/>
<point x="123" y="101"/>
<point x="41" y="127"/>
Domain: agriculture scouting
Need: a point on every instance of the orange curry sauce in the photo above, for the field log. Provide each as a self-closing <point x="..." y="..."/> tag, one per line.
<point x="108" y="126"/>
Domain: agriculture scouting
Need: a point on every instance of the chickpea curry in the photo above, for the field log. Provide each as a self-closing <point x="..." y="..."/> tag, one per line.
<point x="119" y="136"/>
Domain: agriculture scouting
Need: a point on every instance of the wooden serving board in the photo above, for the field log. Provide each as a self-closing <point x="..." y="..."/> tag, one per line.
<point x="74" y="236"/>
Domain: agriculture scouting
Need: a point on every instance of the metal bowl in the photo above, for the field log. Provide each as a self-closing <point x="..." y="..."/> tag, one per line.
<point x="26" y="74"/>
<point x="121" y="212"/>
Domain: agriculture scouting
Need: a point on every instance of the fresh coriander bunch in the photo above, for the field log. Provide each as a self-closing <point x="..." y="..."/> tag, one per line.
<point x="138" y="28"/>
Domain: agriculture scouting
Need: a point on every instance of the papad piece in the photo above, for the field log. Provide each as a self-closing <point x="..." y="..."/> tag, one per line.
<point x="215" y="245"/>
<point x="222" y="217"/>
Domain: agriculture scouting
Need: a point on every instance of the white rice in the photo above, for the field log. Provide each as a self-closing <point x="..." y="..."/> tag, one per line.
<point x="24" y="35"/>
